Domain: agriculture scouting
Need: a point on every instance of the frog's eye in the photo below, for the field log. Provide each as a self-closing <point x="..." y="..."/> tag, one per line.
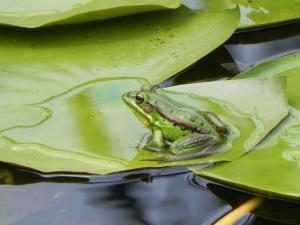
<point x="139" y="98"/>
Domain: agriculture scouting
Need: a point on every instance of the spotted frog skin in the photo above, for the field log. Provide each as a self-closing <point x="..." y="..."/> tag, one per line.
<point x="177" y="127"/>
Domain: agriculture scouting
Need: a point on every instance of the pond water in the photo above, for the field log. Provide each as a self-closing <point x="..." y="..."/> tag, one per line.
<point x="171" y="196"/>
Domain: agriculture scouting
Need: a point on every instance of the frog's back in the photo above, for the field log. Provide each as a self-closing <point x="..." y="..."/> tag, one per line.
<point x="181" y="114"/>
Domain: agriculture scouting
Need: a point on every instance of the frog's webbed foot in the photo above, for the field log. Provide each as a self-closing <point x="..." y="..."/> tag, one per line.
<point x="190" y="147"/>
<point x="154" y="149"/>
<point x="161" y="159"/>
<point x="176" y="158"/>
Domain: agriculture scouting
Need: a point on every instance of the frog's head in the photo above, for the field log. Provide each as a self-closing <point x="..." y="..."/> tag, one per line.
<point x="138" y="102"/>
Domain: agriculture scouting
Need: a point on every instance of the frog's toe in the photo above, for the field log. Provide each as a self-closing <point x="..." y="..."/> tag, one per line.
<point x="154" y="149"/>
<point x="192" y="156"/>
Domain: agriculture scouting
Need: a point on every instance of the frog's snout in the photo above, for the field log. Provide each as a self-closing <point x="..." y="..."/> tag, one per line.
<point x="124" y="96"/>
<point x="127" y="96"/>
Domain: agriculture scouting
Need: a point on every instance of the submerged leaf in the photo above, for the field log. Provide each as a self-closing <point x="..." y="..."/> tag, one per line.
<point x="31" y="14"/>
<point x="273" y="167"/>
<point x="89" y="129"/>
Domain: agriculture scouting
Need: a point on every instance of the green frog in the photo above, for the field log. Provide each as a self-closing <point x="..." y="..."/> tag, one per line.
<point x="183" y="130"/>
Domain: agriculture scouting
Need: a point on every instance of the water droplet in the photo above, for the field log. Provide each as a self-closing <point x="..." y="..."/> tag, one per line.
<point x="14" y="148"/>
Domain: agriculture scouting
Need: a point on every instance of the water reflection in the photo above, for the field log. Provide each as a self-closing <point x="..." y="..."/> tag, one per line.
<point x="240" y="52"/>
<point x="158" y="197"/>
<point x="209" y="68"/>
<point x="250" y="49"/>
<point x="170" y="200"/>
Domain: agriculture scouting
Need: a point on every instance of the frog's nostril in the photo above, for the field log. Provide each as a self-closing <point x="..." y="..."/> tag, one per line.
<point x="131" y="95"/>
<point x="124" y="96"/>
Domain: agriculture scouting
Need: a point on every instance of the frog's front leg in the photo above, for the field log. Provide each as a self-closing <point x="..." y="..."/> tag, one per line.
<point x="156" y="141"/>
<point x="191" y="146"/>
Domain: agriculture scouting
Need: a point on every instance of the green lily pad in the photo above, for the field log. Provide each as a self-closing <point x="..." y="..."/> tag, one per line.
<point x="282" y="66"/>
<point x="89" y="129"/>
<point x="273" y="167"/>
<point x="31" y="14"/>
<point x="286" y="66"/>
<point x="152" y="45"/>
<point x="265" y="12"/>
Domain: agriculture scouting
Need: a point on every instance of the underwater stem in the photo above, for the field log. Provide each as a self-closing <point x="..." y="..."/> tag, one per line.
<point x="235" y="215"/>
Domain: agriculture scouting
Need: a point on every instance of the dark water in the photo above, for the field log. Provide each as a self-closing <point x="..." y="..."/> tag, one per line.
<point x="156" y="197"/>
<point x="240" y="52"/>
<point x="172" y="196"/>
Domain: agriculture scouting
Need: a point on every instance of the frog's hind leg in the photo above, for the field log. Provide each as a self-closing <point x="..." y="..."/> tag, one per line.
<point x="215" y="120"/>
<point x="191" y="147"/>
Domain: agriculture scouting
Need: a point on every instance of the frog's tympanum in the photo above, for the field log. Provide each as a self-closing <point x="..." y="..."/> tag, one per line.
<point x="183" y="130"/>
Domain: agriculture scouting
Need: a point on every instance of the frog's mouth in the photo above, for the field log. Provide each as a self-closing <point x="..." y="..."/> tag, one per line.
<point x="137" y="110"/>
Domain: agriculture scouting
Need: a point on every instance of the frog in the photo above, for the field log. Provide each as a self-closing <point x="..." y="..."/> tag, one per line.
<point x="177" y="127"/>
